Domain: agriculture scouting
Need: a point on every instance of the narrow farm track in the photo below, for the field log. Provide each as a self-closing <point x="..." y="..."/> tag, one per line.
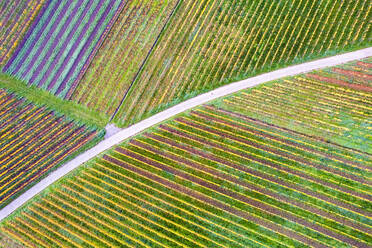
<point x="350" y="200"/>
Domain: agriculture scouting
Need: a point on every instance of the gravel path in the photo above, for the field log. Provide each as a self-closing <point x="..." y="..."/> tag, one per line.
<point x="120" y="136"/>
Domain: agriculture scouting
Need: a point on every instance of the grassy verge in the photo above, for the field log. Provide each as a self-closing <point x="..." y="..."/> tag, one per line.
<point x="41" y="97"/>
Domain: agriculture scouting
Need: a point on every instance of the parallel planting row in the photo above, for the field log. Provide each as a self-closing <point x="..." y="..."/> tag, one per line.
<point x="223" y="175"/>
<point x="61" y="42"/>
<point x="338" y="104"/>
<point x="33" y="141"/>
<point x="209" y="43"/>
<point x="15" y="19"/>
<point x="8" y="242"/>
<point x="208" y="179"/>
<point x="127" y="45"/>
<point x="359" y="74"/>
<point x="131" y="59"/>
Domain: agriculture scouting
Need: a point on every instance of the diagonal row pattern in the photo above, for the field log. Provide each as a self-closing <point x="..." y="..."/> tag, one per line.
<point x="122" y="54"/>
<point x="56" y="48"/>
<point x="34" y="141"/>
<point x="209" y="43"/>
<point x="210" y="178"/>
<point x="337" y="107"/>
<point x="15" y="17"/>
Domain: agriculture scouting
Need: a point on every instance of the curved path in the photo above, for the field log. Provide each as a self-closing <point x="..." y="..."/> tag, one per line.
<point x="123" y="134"/>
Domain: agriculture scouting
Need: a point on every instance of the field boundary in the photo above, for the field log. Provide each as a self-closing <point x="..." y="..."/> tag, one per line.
<point x="146" y="58"/>
<point x="40" y="97"/>
<point x="175" y="110"/>
<point x="95" y="50"/>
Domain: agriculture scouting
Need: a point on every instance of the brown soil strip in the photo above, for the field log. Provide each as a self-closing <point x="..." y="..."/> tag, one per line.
<point x="261" y="175"/>
<point x="351" y="73"/>
<point x="282" y="140"/>
<point x="77" y="144"/>
<point x="250" y="186"/>
<point x="340" y="82"/>
<point x="337" y="97"/>
<point x="273" y="226"/>
<point x="54" y="146"/>
<point x="46" y="152"/>
<point x="277" y="152"/>
<point x="293" y="132"/>
<point x="325" y="198"/>
<point x="365" y="64"/>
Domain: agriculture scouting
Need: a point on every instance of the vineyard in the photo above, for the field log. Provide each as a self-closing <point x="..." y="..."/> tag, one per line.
<point x="358" y="74"/>
<point x="210" y="43"/>
<point x="131" y="59"/>
<point x="233" y="173"/>
<point x="337" y="107"/>
<point x="60" y="43"/>
<point x="33" y="141"/>
<point x="15" y="18"/>
<point x="287" y="163"/>
<point x="7" y="242"/>
<point x="123" y="52"/>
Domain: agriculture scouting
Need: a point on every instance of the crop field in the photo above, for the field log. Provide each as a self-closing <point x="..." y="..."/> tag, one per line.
<point x="34" y="141"/>
<point x="60" y="44"/>
<point x="15" y="17"/>
<point x="287" y="163"/>
<point x="337" y="107"/>
<point x="219" y="176"/>
<point x="6" y="242"/>
<point x="210" y="43"/>
<point x="358" y="73"/>
<point x="122" y="54"/>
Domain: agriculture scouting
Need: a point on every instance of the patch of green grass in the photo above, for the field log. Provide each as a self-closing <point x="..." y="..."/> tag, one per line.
<point x="41" y="97"/>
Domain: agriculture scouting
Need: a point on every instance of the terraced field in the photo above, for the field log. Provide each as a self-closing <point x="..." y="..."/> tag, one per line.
<point x="61" y="43"/>
<point x="33" y="141"/>
<point x="220" y="176"/>
<point x="15" y="18"/>
<point x="125" y="49"/>
<point x="210" y="43"/>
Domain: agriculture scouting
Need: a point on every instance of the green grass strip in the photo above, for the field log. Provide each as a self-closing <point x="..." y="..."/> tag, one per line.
<point x="77" y="112"/>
